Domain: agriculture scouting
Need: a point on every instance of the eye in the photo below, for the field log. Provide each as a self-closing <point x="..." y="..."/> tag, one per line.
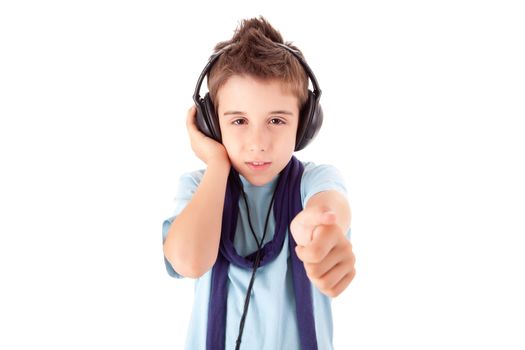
<point x="277" y="121"/>
<point x="239" y="122"/>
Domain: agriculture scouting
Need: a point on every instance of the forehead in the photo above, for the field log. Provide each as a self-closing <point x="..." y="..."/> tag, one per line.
<point x="248" y="91"/>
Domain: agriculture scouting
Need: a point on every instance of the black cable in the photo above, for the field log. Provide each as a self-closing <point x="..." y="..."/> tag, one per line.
<point x="255" y="265"/>
<point x="259" y="245"/>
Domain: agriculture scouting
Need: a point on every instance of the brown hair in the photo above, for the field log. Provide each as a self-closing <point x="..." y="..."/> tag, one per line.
<point x="253" y="51"/>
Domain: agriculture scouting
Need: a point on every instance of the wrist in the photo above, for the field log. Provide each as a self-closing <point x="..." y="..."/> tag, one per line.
<point x="219" y="164"/>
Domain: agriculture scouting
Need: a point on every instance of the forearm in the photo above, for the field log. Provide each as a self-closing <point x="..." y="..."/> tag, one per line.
<point x="193" y="238"/>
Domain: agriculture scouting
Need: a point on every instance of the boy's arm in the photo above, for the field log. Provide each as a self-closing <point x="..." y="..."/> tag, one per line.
<point x="319" y="230"/>
<point x="192" y="243"/>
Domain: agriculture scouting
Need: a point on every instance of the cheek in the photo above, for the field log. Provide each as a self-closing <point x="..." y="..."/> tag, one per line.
<point x="231" y="146"/>
<point x="291" y="136"/>
<point x="226" y="136"/>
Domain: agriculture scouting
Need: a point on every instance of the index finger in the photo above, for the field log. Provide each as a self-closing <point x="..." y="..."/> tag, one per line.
<point x="315" y="217"/>
<point x="326" y="238"/>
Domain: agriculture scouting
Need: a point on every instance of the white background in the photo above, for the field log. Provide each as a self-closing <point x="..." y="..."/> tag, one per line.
<point x="424" y="110"/>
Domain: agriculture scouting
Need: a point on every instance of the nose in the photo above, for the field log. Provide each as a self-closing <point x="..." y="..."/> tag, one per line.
<point x="258" y="140"/>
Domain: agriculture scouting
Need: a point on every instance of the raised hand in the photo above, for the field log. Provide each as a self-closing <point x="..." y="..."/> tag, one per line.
<point x="323" y="248"/>
<point x="204" y="147"/>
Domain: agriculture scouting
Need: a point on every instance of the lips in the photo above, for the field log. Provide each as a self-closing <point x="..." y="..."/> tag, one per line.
<point x="258" y="165"/>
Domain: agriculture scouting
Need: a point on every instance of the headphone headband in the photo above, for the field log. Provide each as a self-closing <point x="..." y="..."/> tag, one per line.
<point x="317" y="90"/>
<point x="196" y="95"/>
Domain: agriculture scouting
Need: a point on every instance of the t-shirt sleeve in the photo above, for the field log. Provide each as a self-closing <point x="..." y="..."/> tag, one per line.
<point x="187" y="186"/>
<point x="319" y="178"/>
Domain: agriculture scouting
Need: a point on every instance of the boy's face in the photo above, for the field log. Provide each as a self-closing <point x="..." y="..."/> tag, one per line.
<point x="258" y="121"/>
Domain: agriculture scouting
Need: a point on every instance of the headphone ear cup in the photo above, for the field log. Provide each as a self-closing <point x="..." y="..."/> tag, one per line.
<point x="310" y="121"/>
<point x="206" y="120"/>
<point x="200" y="118"/>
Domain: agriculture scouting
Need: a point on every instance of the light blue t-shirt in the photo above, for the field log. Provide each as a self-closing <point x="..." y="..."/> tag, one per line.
<point x="271" y="319"/>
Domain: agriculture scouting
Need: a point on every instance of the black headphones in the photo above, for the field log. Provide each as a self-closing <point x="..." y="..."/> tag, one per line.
<point x="310" y="117"/>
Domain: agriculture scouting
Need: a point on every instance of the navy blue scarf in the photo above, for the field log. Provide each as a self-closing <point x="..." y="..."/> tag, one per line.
<point x="287" y="205"/>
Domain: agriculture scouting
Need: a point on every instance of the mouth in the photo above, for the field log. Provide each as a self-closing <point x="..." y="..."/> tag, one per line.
<point x="258" y="165"/>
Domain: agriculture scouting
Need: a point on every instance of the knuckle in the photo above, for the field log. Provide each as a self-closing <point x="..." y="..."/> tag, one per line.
<point x="352" y="274"/>
<point x="330" y="293"/>
<point x="335" y="291"/>
<point x="316" y="255"/>
<point x="324" y="284"/>
<point x="314" y="271"/>
<point x="310" y="276"/>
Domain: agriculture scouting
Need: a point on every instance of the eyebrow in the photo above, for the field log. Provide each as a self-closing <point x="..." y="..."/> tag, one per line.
<point x="243" y="113"/>
<point x="233" y="113"/>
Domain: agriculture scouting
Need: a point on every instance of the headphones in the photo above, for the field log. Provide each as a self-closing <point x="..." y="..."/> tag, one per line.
<point x="310" y="116"/>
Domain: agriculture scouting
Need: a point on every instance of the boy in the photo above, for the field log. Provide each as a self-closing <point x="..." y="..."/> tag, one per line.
<point x="258" y="90"/>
